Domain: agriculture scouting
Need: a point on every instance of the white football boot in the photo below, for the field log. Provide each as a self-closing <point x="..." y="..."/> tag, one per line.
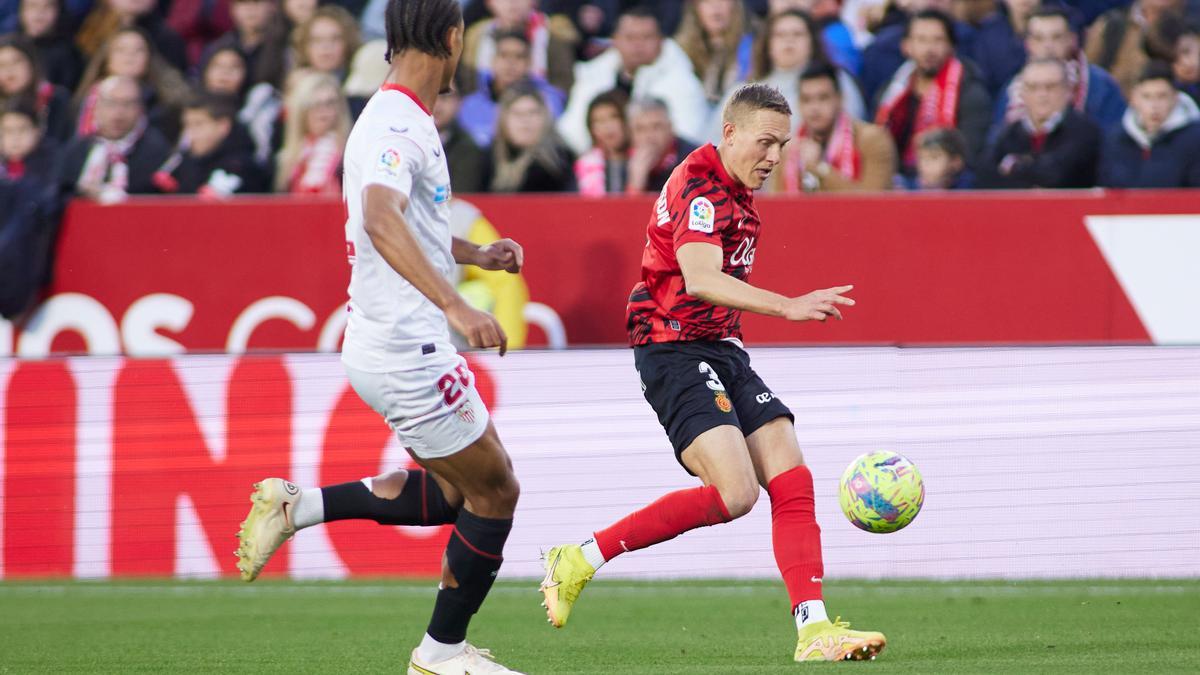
<point x="471" y="661"/>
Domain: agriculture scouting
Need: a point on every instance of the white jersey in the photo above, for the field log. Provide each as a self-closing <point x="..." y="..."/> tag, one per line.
<point x="395" y="144"/>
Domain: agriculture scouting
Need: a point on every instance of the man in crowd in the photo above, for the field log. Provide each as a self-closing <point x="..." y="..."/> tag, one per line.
<point x="656" y="150"/>
<point x="933" y="89"/>
<point x="1052" y="145"/>
<point x="1158" y="142"/>
<point x="124" y="153"/>
<point x="643" y="64"/>
<point x="1092" y="90"/>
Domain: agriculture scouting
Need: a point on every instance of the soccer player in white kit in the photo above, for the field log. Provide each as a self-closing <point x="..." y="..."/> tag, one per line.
<point x="397" y="351"/>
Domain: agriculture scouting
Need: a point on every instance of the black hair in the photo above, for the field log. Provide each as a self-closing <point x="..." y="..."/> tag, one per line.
<point x="21" y="105"/>
<point x="1157" y="70"/>
<point x="421" y="25"/>
<point x="25" y="46"/>
<point x="642" y="12"/>
<point x="517" y="35"/>
<point x="933" y="15"/>
<point x="757" y="96"/>
<point x="217" y="106"/>
<point x="818" y="71"/>
<point x="949" y="141"/>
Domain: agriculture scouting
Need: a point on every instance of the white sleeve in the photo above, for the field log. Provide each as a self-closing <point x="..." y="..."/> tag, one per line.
<point x="393" y="161"/>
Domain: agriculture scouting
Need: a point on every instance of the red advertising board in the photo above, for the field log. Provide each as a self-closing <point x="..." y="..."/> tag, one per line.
<point x="164" y="276"/>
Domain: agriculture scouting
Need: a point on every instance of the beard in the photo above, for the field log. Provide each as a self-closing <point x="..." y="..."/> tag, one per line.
<point x="931" y="70"/>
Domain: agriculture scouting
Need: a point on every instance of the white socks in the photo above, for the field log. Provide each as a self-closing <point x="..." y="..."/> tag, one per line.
<point x="310" y="509"/>
<point x="431" y="651"/>
<point x="810" y="612"/>
<point x="591" y="553"/>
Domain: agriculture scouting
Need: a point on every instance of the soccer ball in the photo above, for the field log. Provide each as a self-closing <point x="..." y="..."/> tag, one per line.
<point x="881" y="492"/>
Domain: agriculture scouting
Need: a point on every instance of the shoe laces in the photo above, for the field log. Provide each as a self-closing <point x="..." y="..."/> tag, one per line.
<point x="841" y="624"/>
<point x="483" y="658"/>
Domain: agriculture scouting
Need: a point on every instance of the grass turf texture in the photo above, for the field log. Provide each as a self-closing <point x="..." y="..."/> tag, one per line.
<point x="618" y="627"/>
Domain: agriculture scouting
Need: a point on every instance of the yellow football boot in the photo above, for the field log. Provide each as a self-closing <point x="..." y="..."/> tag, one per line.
<point x="567" y="572"/>
<point x="825" y="641"/>
<point x="268" y="525"/>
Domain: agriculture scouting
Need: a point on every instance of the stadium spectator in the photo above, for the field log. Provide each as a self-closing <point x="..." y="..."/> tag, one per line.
<point x="120" y="158"/>
<point x="883" y="57"/>
<point x="552" y="40"/>
<point x="216" y="157"/>
<point x="470" y="169"/>
<point x="326" y="41"/>
<point x="224" y="72"/>
<point x="21" y="78"/>
<point x="527" y="155"/>
<point x="198" y="23"/>
<point x="49" y="28"/>
<point x="643" y="64"/>
<point x="129" y="53"/>
<point x="594" y="21"/>
<point x="1052" y="145"/>
<point x="836" y="37"/>
<point x="1157" y="144"/>
<point x="1184" y="40"/>
<point x="259" y="34"/>
<point x="318" y="123"/>
<point x="1122" y="40"/>
<point x="933" y="89"/>
<point x="110" y="16"/>
<point x="656" y="150"/>
<point x="789" y="43"/>
<point x="297" y="12"/>
<point x="715" y="36"/>
<point x="603" y="169"/>
<point x="25" y="150"/>
<point x="368" y="70"/>
<point x="831" y="151"/>
<point x="1093" y="91"/>
<point x="991" y="37"/>
<point x="511" y="64"/>
<point x="941" y="162"/>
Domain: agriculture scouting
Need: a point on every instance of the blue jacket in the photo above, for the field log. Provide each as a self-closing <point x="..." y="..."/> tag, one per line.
<point x="839" y="45"/>
<point x="1170" y="160"/>
<point x="479" y="110"/>
<point x="1104" y="103"/>
<point x="995" y="47"/>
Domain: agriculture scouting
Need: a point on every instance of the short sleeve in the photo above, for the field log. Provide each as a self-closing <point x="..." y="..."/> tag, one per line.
<point x="393" y="162"/>
<point x="701" y="216"/>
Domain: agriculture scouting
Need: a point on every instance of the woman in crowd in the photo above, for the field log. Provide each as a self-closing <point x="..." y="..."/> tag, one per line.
<point x="47" y="26"/>
<point x="225" y="72"/>
<point x="527" y="155"/>
<point x="130" y="53"/>
<point x="716" y="38"/>
<point x="326" y="41"/>
<point x="296" y="12"/>
<point x="110" y="16"/>
<point x="603" y="168"/>
<point x="21" y="78"/>
<point x="318" y="123"/>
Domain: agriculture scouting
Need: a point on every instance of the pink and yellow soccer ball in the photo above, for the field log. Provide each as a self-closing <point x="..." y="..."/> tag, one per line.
<point x="881" y="492"/>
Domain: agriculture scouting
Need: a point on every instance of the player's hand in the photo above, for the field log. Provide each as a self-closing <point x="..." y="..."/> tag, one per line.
<point x="505" y="254"/>
<point x="818" y="305"/>
<point x="481" y="329"/>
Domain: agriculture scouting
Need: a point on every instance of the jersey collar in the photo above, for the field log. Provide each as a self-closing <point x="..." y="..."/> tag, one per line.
<point x="389" y="86"/>
<point x="714" y="159"/>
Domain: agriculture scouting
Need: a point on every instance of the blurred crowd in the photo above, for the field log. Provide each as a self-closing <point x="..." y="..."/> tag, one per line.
<point x="107" y="98"/>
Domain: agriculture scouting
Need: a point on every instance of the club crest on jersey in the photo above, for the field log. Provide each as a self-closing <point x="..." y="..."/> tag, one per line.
<point x="701" y="215"/>
<point x="389" y="162"/>
<point x="723" y="402"/>
<point x="465" y="414"/>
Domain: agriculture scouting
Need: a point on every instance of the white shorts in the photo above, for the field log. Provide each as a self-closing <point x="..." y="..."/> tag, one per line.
<point x="434" y="408"/>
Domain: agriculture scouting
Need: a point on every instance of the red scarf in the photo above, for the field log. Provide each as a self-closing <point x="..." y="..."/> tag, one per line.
<point x="840" y="152"/>
<point x="938" y="108"/>
<point x="317" y="170"/>
<point x="87" y="115"/>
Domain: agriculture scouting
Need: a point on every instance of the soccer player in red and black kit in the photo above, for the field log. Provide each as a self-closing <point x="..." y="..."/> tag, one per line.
<point x="726" y="425"/>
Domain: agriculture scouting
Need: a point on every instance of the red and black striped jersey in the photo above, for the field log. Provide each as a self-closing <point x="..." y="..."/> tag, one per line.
<point x="699" y="203"/>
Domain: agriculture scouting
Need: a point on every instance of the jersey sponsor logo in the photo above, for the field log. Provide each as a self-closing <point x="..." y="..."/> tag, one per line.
<point x="389" y="163"/>
<point x="661" y="211"/>
<point x="701" y="215"/>
<point x="441" y="194"/>
<point x="744" y="253"/>
<point x="764" y="397"/>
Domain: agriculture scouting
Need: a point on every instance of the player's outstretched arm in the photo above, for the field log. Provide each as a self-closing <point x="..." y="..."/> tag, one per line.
<point x="383" y="219"/>
<point x="504" y="254"/>
<point x="701" y="266"/>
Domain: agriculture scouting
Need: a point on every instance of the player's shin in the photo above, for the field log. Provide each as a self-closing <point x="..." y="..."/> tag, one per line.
<point x="667" y="518"/>
<point x="797" y="541"/>
<point x="473" y="556"/>
<point x="419" y="501"/>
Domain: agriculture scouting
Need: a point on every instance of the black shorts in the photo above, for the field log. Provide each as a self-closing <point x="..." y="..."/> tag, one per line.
<point x="697" y="386"/>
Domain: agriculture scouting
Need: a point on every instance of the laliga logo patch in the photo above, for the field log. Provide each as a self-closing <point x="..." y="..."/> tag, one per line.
<point x="723" y="402"/>
<point x="701" y="215"/>
<point x="389" y="162"/>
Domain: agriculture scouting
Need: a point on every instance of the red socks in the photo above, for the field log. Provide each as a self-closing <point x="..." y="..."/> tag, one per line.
<point x="667" y="518"/>
<point x="796" y="535"/>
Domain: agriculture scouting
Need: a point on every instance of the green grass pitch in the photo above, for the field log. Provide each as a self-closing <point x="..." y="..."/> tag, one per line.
<point x="619" y="627"/>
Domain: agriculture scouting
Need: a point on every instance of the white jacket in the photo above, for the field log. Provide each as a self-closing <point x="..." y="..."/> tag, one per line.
<point x="670" y="79"/>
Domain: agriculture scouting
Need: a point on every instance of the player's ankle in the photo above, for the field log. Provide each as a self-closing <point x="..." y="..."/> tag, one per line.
<point x="433" y="651"/>
<point x="592" y="554"/>
<point x="810" y="612"/>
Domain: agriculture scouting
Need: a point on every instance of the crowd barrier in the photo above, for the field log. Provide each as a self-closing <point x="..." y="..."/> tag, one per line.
<point x="167" y="276"/>
<point x="1038" y="462"/>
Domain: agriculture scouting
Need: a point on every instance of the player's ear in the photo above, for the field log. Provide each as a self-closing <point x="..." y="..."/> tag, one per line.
<point x="727" y="131"/>
<point x="454" y="38"/>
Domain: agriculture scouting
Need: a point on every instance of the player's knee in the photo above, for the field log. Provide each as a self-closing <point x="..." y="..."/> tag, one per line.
<point x="498" y="497"/>
<point x="739" y="498"/>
